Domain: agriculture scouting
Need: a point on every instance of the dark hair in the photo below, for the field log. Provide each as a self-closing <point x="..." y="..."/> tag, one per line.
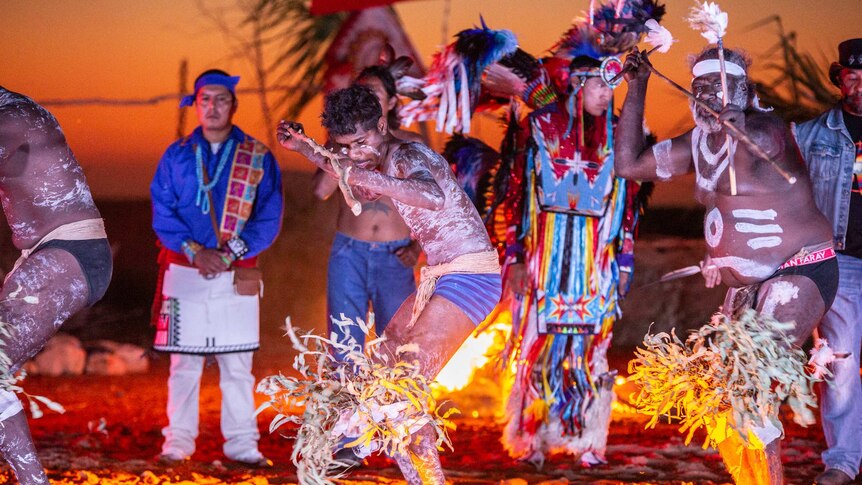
<point x="582" y="61"/>
<point x="388" y="81"/>
<point x="215" y="71"/>
<point x="383" y="75"/>
<point x="346" y="108"/>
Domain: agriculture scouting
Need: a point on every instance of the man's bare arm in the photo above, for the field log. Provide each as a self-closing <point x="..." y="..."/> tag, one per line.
<point x="12" y="131"/>
<point x="291" y="136"/>
<point x="667" y="158"/>
<point x="324" y="185"/>
<point x="418" y="188"/>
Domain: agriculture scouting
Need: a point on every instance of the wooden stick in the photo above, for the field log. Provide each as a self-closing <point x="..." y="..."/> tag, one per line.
<point x="342" y="172"/>
<point x="620" y="74"/>
<point x="731" y="169"/>
<point x="749" y="143"/>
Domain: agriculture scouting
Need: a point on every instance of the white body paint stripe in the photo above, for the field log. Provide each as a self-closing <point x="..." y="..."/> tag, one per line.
<point x="768" y="214"/>
<point x="758" y="228"/>
<point x="663" y="162"/>
<point x="745" y="267"/>
<point x="764" y="242"/>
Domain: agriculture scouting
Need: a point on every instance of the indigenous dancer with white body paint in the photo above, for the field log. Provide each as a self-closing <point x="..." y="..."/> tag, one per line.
<point x="373" y="255"/>
<point x="769" y="243"/>
<point x="65" y="263"/>
<point x="461" y="284"/>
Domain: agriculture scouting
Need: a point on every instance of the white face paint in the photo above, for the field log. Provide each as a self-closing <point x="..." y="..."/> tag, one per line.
<point x="780" y="293"/>
<point x="713" y="228"/>
<point x="663" y="162"/>
<point x="371" y="149"/>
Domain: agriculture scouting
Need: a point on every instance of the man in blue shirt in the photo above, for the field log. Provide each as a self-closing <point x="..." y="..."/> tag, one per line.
<point x="217" y="204"/>
<point x="832" y="147"/>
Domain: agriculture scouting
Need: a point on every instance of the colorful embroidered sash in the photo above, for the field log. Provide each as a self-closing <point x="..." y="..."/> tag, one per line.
<point x="245" y="174"/>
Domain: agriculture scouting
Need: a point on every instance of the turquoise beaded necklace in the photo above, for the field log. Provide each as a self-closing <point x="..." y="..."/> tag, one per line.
<point x="202" y="200"/>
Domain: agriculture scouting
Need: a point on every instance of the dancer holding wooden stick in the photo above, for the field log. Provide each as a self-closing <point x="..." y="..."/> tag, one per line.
<point x="461" y="284"/>
<point x="769" y="243"/>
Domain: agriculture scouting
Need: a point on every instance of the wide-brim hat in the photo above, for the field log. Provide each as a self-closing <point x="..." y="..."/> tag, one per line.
<point x="849" y="57"/>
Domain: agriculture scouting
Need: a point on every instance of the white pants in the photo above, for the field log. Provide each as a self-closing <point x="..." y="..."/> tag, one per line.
<point x="238" y="423"/>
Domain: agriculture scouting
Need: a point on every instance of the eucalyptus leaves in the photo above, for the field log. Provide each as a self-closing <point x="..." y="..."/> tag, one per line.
<point x="367" y="404"/>
<point x="730" y="373"/>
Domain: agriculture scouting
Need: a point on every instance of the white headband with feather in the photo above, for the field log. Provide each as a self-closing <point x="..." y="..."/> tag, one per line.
<point x="710" y="66"/>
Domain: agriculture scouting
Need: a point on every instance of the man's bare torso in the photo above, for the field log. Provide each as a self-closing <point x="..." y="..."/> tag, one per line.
<point x="378" y="222"/>
<point x="455" y="229"/>
<point x="749" y="235"/>
<point x="42" y="185"/>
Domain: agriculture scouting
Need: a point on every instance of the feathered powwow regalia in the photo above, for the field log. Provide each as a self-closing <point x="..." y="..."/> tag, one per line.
<point x="550" y="201"/>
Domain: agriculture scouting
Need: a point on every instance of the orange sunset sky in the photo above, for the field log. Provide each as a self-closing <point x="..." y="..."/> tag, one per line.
<point x="120" y="49"/>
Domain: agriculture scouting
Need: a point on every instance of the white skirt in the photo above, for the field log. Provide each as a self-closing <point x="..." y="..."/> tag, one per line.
<point x="205" y="316"/>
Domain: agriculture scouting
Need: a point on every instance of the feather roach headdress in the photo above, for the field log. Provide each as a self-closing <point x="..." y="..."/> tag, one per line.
<point x="452" y="85"/>
<point x="611" y="29"/>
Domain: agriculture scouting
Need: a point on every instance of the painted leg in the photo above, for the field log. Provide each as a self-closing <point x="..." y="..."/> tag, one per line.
<point x="439" y="332"/>
<point x="746" y="466"/>
<point x="425" y="458"/>
<point x="411" y="476"/>
<point x="16" y="446"/>
<point x="792" y="298"/>
<point x="54" y="277"/>
<point x="773" y="463"/>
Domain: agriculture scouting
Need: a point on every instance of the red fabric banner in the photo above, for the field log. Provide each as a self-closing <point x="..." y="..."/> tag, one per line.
<point x="359" y="42"/>
<point x="323" y="7"/>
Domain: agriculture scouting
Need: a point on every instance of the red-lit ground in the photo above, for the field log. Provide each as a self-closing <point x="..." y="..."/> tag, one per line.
<point x="133" y="410"/>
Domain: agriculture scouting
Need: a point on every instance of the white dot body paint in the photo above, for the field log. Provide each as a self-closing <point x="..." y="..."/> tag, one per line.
<point x="780" y="293"/>
<point x="663" y="162"/>
<point x="745" y="267"/>
<point x="713" y="227"/>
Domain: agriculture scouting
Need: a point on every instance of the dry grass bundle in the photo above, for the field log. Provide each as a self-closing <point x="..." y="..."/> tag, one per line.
<point x="731" y="375"/>
<point x="369" y="405"/>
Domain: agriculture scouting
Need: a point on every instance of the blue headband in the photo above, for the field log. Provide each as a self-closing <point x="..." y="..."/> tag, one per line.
<point x="229" y="82"/>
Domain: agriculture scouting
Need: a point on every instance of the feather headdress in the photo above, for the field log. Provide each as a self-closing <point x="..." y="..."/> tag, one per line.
<point x="614" y="27"/>
<point x="452" y="85"/>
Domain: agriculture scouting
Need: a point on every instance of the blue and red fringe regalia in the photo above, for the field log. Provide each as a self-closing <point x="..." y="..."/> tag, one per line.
<point x="561" y="394"/>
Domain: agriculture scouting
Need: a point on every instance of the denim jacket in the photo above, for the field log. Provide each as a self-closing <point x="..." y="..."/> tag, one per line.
<point x="830" y="153"/>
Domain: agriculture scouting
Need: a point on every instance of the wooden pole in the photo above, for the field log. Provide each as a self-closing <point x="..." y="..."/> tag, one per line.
<point x="731" y="169"/>
<point x="181" y="116"/>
